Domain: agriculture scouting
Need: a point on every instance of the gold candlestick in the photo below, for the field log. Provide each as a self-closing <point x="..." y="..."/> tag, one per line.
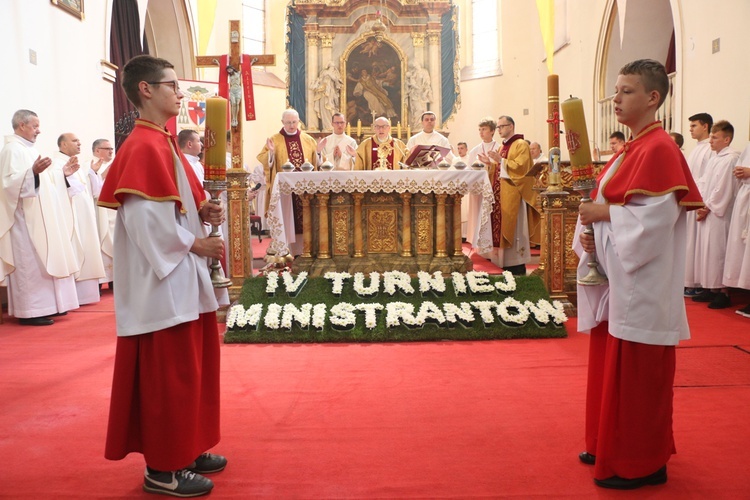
<point x="215" y="158"/>
<point x="584" y="181"/>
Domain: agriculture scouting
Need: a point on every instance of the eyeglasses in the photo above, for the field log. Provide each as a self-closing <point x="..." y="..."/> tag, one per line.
<point x="504" y="125"/>
<point x="172" y="83"/>
<point x="108" y="149"/>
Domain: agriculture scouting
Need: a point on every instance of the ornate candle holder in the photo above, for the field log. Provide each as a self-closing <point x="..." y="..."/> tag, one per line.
<point x="215" y="188"/>
<point x="584" y="182"/>
<point x="554" y="182"/>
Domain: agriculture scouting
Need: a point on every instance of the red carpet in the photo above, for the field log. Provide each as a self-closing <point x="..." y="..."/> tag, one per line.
<point x="429" y="420"/>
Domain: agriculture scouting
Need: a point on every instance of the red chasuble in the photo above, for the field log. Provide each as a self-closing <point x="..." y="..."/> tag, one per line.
<point x="145" y="167"/>
<point x="496" y="216"/>
<point x="387" y="151"/>
<point x="294" y="148"/>
<point x="652" y="165"/>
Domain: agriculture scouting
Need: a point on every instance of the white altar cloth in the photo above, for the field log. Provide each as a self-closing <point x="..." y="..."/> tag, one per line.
<point x="474" y="183"/>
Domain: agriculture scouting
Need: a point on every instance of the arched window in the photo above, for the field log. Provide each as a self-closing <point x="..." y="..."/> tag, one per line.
<point x="484" y="39"/>
<point x="253" y="26"/>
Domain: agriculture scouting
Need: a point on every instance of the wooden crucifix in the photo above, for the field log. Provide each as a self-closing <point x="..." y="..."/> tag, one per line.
<point x="240" y="259"/>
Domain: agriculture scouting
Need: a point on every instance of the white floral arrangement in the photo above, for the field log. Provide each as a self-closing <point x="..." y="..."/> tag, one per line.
<point x="479" y="282"/>
<point x="371" y="310"/>
<point x="294" y="285"/>
<point x="272" y="283"/>
<point x="366" y="291"/>
<point x="272" y="319"/>
<point x="459" y="283"/>
<point x="431" y="282"/>
<point x="507" y="284"/>
<point x="397" y="311"/>
<point x="543" y="311"/>
<point x="240" y="317"/>
<point x="395" y="280"/>
<point x="342" y="315"/>
<point x="519" y="318"/>
<point x="461" y="313"/>
<point x="319" y="316"/>
<point x="337" y="281"/>
<point x="292" y="313"/>
<point x="485" y="308"/>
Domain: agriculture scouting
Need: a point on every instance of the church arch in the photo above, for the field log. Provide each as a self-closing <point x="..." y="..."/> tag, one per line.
<point x="169" y="31"/>
<point x="649" y="30"/>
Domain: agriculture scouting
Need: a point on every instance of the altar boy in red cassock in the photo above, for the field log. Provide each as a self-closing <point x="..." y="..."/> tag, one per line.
<point x="638" y="317"/>
<point x="165" y="391"/>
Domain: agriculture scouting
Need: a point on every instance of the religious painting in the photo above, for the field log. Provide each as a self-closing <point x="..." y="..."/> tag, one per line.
<point x="373" y="83"/>
<point x="74" y="7"/>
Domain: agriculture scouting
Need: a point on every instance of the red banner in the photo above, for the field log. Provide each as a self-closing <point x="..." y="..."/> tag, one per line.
<point x="247" y="84"/>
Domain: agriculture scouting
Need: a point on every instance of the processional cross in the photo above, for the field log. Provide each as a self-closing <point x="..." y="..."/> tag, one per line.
<point x="240" y="257"/>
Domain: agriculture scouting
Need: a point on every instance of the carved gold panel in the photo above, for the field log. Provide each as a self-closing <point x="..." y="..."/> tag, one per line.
<point x="340" y="219"/>
<point x="424" y="231"/>
<point x="382" y="230"/>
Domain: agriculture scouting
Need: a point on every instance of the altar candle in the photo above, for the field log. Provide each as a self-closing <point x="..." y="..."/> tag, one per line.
<point x="215" y="143"/>
<point x="577" y="139"/>
<point x="553" y="111"/>
<point x="398" y="130"/>
<point x="349" y="129"/>
<point x="359" y="128"/>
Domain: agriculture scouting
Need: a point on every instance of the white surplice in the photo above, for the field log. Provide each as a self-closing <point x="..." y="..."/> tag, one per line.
<point x="641" y="250"/>
<point x="105" y="220"/>
<point x="718" y="188"/>
<point x="85" y="185"/>
<point x="346" y="161"/>
<point x="154" y="239"/>
<point x="697" y="161"/>
<point x="35" y="248"/>
<point x="737" y="263"/>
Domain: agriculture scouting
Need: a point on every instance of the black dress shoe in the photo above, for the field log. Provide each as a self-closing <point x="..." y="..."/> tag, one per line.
<point x="64" y="313"/>
<point x="42" y="321"/>
<point x="619" y="483"/>
<point x="587" y="458"/>
<point x="706" y="296"/>
<point x="519" y="270"/>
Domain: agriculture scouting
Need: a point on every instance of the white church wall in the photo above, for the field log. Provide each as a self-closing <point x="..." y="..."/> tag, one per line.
<point x="65" y="86"/>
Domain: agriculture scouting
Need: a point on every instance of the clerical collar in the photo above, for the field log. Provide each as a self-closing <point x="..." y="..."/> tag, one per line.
<point x="25" y="142"/>
<point x="513" y="138"/>
<point x="287" y="134"/>
<point x="191" y="158"/>
<point x="387" y="139"/>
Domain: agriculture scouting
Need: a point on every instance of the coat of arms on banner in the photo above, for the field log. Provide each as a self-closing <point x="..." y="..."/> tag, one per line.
<point x="192" y="114"/>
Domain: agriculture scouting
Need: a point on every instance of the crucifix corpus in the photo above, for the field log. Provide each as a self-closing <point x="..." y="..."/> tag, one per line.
<point x="236" y="83"/>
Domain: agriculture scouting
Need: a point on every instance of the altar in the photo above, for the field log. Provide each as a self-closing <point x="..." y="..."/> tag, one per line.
<point x="381" y="220"/>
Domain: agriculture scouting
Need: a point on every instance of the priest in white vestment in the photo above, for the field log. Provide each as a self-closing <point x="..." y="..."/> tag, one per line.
<point x="718" y="188"/>
<point x="105" y="218"/>
<point x="428" y="136"/>
<point x="85" y="185"/>
<point x="700" y="128"/>
<point x="37" y="262"/>
<point x="536" y="153"/>
<point x="737" y="263"/>
<point x="338" y="148"/>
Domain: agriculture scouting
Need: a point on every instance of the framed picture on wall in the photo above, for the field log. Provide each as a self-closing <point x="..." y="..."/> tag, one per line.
<point x="74" y="7"/>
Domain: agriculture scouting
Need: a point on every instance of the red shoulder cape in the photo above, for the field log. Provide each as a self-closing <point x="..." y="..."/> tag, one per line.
<point x="145" y="167"/>
<point x="652" y="165"/>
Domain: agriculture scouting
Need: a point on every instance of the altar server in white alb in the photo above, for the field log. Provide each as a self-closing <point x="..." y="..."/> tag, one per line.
<point x="338" y="148"/>
<point x="85" y="185"/>
<point x="737" y="263"/>
<point x="700" y="129"/>
<point x="719" y="187"/>
<point x="37" y="262"/>
<point x="428" y="136"/>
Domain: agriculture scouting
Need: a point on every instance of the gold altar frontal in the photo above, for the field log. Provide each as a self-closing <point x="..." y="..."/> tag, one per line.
<point x="365" y="221"/>
<point x="378" y="231"/>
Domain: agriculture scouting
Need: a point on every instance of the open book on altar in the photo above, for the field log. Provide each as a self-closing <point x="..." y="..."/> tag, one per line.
<point x="426" y="156"/>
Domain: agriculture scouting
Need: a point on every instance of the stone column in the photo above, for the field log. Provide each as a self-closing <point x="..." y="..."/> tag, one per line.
<point x="358" y="242"/>
<point x="306" y="225"/>
<point x="313" y="40"/>
<point x="433" y="37"/>
<point x="323" y="233"/>
<point x="406" y="225"/>
<point x="440" y="239"/>
<point x="457" y="250"/>
<point x="326" y="48"/>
